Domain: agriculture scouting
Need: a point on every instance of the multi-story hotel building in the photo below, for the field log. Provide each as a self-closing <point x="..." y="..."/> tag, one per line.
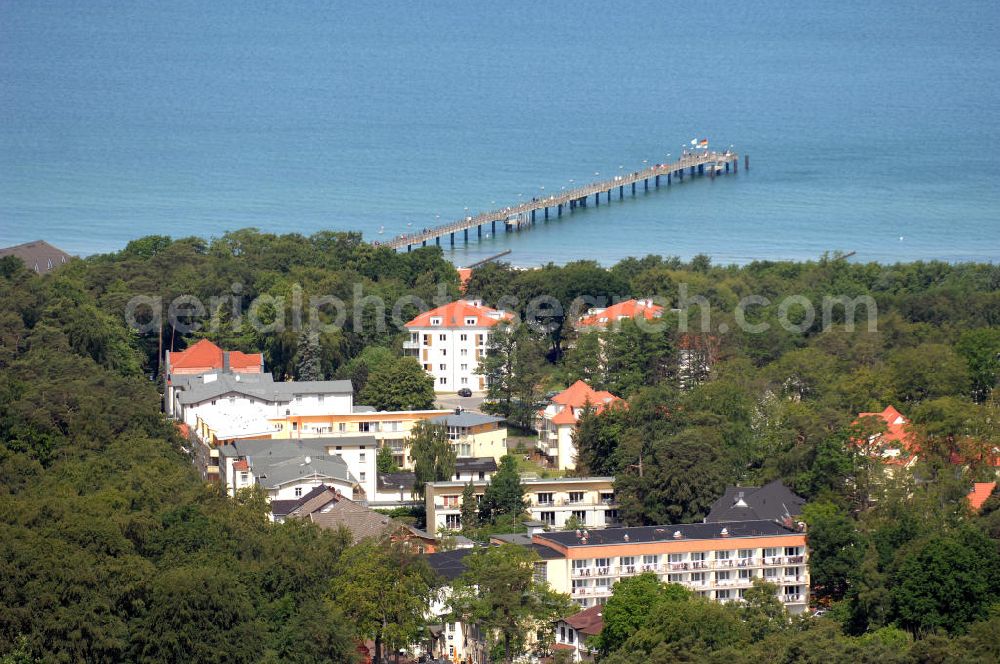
<point x="449" y="341"/>
<point x="553" y="501"/>
<point x="716" y="560"/>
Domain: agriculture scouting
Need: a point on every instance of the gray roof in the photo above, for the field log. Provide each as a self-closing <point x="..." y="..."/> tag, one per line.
<point x="773" y="501"/>
<point x="279" y="461"/>
<point x="289" y="447"/>
<point x="360" y="520"/>
<point x="273" y="473"/>
<point x="472" y="464"/>
<point x="262" y="388"/>
<point x="449" y="564"/>
<point x="392" y="481"/>
<point x="465" y="419"/>
<point x="39" y="255"/>
<point x="688" y="531"/>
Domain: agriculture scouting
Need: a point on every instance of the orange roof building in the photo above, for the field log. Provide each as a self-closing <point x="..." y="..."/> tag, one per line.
<point x="896" y="445"/>
<point x="980" y="492"/>
<point x="203" y="357"/>
<point x="557" y="422"/>
<point x="449" y="341"/>
<point x="602" y="318"/>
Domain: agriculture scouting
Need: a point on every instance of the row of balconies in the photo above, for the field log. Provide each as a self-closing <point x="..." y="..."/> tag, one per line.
<point x="732" y="563"/>
<point x="790" y="598"/>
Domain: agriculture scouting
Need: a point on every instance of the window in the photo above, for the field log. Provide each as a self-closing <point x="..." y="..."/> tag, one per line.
<point x="442" y="337"/>
<point x="722" y="594"/>
<point x="232" y="399"/>
<point x="442" y="380"/>
<point x="471" y="321"/>
<point x="368" y="427"/>
<point x="450" y="501"/>
<point x="607" y="497"/>
<point x="298" y="398"/>
<point x="723" y="555"/>
<point x="675" y="578"/>
<point x="444" y="351"/>
<point x="342" y="427"/>
<point x="465" y="367"/>
<point x="548" y="518"/>
<point x="435" y="321"/>
<point x="361" y="478"/>
<point x="746" y="553"/>
<point x="602" y="563"/>
<point x="698" y="555"/>
<point x="541" y="572"/>
<point x="320" y="397"/>
<point x="244" y="477"/>
<point x="771" y="573"/>
<point x="427" y="340"/>
<point x="697" y="577"/>
<point x="295" y="426"/>
<point x="650" y="561"/>
<point x="465" y="381"/>
<point x="746" y="574"/>
<point x="721" y="576"/>
<point x="463" y="337"/>
<point x="544" y="498"/>
<point x="298" y="491"/>
<point x="576" y="496"/>
<point x="452" y="521"/>
<point x="464" y="352"/>
<point x="443" y="367"/>
<point x="362" y="457"/>
<point x="604" y="583"/>
<point x="213" y="403"/>
<point x="791" y="550"/>
<point x="581" y="516"/>
<point x="792" y="571"/>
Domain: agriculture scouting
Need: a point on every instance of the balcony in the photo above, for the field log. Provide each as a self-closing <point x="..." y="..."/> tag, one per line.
<point x="583" y="572"/>
<point x="409" y="344"/>
<point x="793" y="598"/>
<point x="784" y="560"/>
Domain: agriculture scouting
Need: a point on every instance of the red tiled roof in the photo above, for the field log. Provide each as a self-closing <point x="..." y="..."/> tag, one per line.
<point x="455" y="313"/>
<point x="206" y="355"/>
<point x="896" y="435"/>
<point x="589" y="621"/>
<point x="578" y="395"/>
<point x="241" y="465"/>
<point x="980" y="492"/>
<point x="628" y="309"/>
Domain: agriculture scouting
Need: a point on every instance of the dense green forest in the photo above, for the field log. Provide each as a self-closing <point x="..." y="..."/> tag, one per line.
<point x="112" y="549"/>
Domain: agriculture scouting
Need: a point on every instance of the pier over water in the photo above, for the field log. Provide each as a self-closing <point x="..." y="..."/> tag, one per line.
<point x="705" y="162"/>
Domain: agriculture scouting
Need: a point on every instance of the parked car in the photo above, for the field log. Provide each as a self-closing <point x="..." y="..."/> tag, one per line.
<point x="465" y="392"/>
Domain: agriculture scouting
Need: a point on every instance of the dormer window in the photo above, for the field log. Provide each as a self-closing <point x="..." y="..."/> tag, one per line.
<point x="471" y="321"/>
<point x="435" y="321"/>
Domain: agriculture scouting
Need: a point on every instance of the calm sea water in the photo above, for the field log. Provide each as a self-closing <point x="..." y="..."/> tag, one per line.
<point x="872" y="126"/>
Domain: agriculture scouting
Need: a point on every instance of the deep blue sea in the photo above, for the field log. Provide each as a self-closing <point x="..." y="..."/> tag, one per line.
<point x="872" y="126"/>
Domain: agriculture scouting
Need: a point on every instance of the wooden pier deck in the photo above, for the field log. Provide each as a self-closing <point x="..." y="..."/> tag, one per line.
<point x="704" y="162"/>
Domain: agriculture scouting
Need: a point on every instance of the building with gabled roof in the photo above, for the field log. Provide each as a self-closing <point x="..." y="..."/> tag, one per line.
<point x="603" y="318"/>
<point x="981" y="491"/>
<point x="38" y="256"/>
<point x="474" y="434"/>
<point x="556" y="423"/>
<point x="896" y="445"/>
<point x="181" y="369"/>
<point x="773" y="502"/>
<point x="572" y="632"/>
<point x="450" y="340"/>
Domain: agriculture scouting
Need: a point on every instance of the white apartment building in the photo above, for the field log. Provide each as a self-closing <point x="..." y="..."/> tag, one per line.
<point x="552" y="501"/>
<point x="450" y="340"/>
<point x="716" y="560"/>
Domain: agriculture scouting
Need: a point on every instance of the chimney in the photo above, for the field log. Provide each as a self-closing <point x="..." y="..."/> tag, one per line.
<point x="225" y="361"/>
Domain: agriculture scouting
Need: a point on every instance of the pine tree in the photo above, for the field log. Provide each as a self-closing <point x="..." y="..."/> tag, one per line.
<point x="308" y="365"/>
<point x="470" y="508"/>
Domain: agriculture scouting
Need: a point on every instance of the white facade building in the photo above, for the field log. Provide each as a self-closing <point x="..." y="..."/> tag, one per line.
<point x="450" y="340"/>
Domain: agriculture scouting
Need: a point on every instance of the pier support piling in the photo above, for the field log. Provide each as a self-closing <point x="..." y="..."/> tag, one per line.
<point x="633" y="188"/>
<point x="746" y="162"/>
<point x="452" y="234"/>
<point x="621" y="191"/>
<point x="645" y="184"/>
<point x="657" y="180"/>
